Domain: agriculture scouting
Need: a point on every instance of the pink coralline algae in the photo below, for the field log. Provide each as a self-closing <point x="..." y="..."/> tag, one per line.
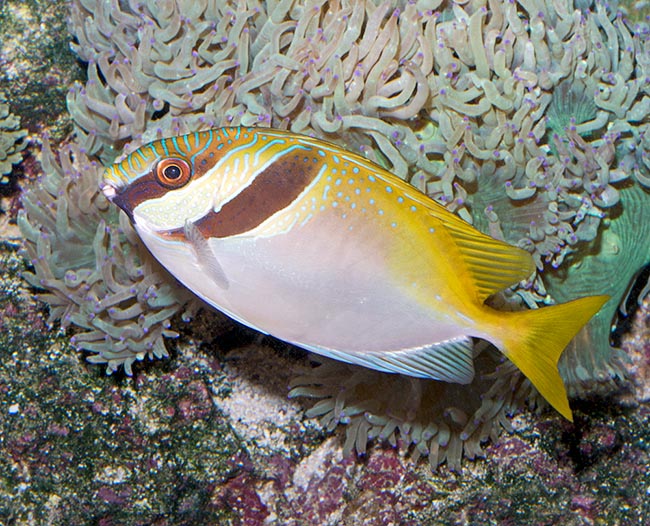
<point x="465" y="99"/>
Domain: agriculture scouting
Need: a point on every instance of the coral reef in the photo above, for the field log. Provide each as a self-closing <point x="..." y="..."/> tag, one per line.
<point x="465" y="99"/>
<point x="11" y="141"/>
<point x="79" y="448"/>
<point x="156" y="449"/>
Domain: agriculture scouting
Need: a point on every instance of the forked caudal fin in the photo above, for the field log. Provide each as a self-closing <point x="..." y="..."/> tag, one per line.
<point x="536" y="338"/>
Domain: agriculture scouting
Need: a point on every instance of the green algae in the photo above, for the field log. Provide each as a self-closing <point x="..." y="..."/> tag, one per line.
<point x="548" y="473"/>
<point x="17" y="312"/>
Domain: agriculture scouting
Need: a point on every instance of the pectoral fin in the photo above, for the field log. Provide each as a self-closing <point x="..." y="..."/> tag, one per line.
<point x="449" y="361"/>
<point x="205" y="255"/>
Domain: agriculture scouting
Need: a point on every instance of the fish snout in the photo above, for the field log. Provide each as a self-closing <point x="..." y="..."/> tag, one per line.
<point x="117" y="196"/>
<point x="108" y="190"/>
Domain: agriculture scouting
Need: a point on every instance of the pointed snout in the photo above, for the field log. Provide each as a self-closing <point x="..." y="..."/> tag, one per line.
<point x="109" y="191"/>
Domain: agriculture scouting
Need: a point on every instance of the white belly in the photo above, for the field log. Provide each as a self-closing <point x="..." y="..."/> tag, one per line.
<point x="313" y="290"/>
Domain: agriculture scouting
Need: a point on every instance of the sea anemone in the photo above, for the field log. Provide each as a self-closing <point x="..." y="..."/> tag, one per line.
<point x="622" y="250"/>
<point x="441" y="421"/>
<point x="463" y="98"/>
<point x="572" y="104"/>
<point x="93" y="266"/>
<point x="483" y="105"/>
<point x="12" y="141"/>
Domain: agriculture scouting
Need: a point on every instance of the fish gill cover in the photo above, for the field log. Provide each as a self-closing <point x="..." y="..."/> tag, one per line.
<point x="466" y="100"/>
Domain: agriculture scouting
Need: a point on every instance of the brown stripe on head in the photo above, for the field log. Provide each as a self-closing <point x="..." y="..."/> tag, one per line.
<point x="140" y="190"/>
<point x="272" y="190"/>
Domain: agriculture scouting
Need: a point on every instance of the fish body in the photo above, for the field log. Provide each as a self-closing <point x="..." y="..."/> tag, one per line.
<point x="305" y="241"/>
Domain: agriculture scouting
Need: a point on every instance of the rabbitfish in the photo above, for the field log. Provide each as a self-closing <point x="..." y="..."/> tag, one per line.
<point x="301" y="239"/>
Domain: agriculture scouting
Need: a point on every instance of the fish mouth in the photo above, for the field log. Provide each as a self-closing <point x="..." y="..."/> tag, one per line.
<point x="114" y="196"/>
<point x="109" y="191"/>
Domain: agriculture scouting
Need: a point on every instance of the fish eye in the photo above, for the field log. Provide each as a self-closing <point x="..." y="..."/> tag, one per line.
<point x="172" y="172"/>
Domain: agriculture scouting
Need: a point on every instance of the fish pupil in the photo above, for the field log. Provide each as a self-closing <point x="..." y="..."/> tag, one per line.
<point x="172" y="172"/>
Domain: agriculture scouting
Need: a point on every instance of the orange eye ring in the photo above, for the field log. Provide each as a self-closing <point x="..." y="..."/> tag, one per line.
<point x="172" y="172"/>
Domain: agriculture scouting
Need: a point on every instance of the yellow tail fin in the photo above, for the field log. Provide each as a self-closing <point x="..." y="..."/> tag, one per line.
<point x="535" y="339"/>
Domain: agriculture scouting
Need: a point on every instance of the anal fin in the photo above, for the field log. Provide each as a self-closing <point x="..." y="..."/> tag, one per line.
<point x="448" y="361"/>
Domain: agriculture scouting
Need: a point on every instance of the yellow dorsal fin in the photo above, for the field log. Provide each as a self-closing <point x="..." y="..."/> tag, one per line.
<point x="492" y="264"/>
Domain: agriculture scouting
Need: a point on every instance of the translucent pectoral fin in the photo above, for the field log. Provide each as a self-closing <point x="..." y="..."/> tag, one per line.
<point x="448" y="361"/>
<point x="205" y="255"/>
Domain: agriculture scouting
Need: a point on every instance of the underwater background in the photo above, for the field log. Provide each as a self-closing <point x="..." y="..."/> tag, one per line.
<point x="528" y="118"/>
